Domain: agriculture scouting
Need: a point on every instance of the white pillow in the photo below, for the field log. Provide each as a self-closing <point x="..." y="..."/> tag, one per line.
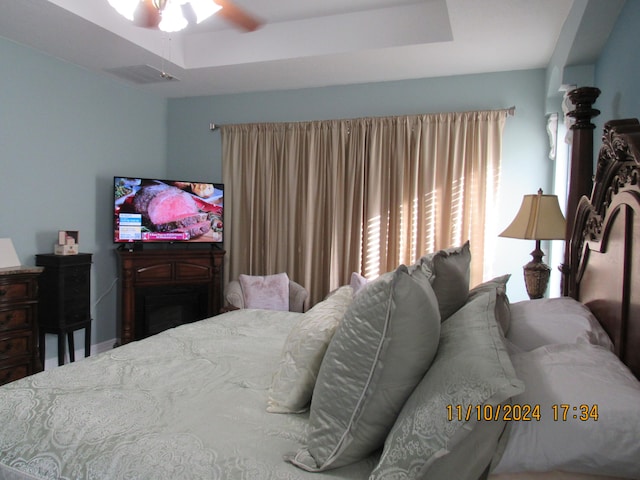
<point x="546" y="321"/>
<point x="379" y="353"/>
<point x="574" y="375"/>
<point x="270" y="292"/>
<point x="304" y="349"/>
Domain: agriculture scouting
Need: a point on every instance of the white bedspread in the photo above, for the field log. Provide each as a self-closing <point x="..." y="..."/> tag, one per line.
<point x="188" y="403"/>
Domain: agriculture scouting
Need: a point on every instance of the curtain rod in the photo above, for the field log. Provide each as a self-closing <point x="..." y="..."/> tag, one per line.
<point x="511" y="111"/>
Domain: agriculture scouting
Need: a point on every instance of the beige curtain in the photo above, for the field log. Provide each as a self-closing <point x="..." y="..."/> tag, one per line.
<point x="320" y="200"/>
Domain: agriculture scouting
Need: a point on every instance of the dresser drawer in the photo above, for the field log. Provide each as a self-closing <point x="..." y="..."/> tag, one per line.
<point x="16" y="345"/>
<point x="15" y="292"/>
<point x="9" y="373"/>
<point x="16" y="319"/>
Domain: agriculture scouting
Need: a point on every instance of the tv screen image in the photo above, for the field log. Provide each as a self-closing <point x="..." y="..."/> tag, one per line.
<point x="154" y="210"/>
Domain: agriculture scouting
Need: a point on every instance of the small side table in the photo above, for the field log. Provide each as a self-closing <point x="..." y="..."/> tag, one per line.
<point x="65" y="301"/>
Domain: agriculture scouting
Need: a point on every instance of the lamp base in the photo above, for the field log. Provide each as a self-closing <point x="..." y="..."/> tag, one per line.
<point x="536" y="274"/>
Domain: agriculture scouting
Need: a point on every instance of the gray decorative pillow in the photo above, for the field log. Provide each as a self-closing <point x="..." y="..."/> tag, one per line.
<point x="449" y="272"/>
<point x="379" y="353"/>
<point x="472" y="368"/>
<point x="503" y="307"/>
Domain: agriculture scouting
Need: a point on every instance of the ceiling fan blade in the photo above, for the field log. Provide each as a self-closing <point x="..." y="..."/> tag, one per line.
<point x="236" y="15"/>
<point x="146" y="15"/>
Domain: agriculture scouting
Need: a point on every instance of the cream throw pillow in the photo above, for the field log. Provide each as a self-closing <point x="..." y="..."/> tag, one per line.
<point x="380" y="351"/>
<point x="270" y="292"/>
<point x="304" y="349"/>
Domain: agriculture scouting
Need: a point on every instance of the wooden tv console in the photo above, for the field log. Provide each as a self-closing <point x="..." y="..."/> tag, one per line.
<point x="165" y="287"/>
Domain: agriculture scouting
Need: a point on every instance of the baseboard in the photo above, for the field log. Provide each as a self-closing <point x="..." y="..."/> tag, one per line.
<point x="79" y="353"/>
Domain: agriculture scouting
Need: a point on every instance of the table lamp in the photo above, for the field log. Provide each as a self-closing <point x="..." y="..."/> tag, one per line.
<point x="539" y="218"/>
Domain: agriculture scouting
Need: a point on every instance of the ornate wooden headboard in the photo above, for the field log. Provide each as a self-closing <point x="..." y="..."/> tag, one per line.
<point x="602" y="259"/>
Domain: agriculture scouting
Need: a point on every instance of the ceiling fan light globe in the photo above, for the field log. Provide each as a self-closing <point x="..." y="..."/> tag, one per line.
<point x="172" y="18"/>
<point x="126" y="8"/>
<point x="175" y="15"/>
<point x="204" y="9"/>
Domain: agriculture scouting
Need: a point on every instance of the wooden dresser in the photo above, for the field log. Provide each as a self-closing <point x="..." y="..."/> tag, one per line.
<point x="18" y="323"/>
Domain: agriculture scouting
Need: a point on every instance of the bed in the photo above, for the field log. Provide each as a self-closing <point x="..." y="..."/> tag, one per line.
<point x="411" y="376"/>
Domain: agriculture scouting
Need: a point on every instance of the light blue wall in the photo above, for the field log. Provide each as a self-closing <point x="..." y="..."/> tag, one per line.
<point x="64" y="133"/>
<point x="194" y="151"/>
<point x="618" y="69"/>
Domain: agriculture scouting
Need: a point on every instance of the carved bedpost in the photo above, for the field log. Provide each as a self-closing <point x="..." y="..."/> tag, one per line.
<point x="581" y="171"/>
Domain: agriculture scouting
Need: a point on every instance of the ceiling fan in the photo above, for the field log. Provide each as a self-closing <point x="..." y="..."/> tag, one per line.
<point x="174" y="15"/>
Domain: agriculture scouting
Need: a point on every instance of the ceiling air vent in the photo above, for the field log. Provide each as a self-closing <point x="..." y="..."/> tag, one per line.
<point x="141" y="74"/>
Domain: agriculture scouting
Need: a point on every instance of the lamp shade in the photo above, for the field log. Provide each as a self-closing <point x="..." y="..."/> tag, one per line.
<point x="539" y="218"/>
<point x="8" y="255"/>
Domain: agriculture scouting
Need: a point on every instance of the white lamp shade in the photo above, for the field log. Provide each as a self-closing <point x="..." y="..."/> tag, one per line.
<point x="539" y="218"/>
<point x="8" y="255"/>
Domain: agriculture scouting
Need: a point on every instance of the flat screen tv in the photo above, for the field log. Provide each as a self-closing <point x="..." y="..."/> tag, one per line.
<point x="149" y="210"/>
